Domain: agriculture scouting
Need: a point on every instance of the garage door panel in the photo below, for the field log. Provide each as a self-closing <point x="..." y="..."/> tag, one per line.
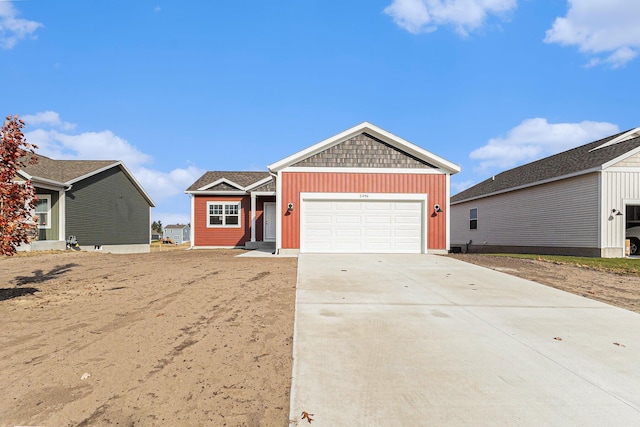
<point x="348" y="219"/>
<point x="349" y="233"/>
<point x="358" y="226"/>
<point x="377" y="220"/>
<point x="378" y="233"/>
<point x="319" y="219"/>
<point x="377" y="206"/>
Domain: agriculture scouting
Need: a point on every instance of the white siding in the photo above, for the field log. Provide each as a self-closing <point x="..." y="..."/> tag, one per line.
<point x="632" y="161"/>
<point x="621" y="188"/>
<point x="559" y="214"/>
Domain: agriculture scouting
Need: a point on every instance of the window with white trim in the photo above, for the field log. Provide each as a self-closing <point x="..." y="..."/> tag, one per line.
<point x="473" y="219"/>
<point x="223" y="214"/>
<point x="43" y="211"/>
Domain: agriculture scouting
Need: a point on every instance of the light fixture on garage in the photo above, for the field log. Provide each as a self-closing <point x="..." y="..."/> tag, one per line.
<point x="616" y="212"/>
<point x="437" y="208"/>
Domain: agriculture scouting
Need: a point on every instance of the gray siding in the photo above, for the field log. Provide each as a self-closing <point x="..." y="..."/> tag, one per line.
<point x="562" y="214"/>
<point x="107" y="209"/>
<point x="363" y="151"/>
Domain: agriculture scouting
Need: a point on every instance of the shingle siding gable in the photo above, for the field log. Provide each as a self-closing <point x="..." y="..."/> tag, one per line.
<point x="363" y="151"/>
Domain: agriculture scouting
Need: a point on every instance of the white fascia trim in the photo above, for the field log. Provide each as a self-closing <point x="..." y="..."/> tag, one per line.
<point x="533" y="184"/>
<point x="259" y="183"/>
<point x="429" y="171"/>
<point x="221" y="181"/>
<point x="263" y="193"/>
<point x="618" y="159"/>
<point x="95" y="172"/>
<point x="375" y="131"/>
<point x="126" y="171"/>
<point x="25" y="175"/>
<point x="48" y="184"/>
<point x="633" y="133"/>
<point x="217" y="193"/>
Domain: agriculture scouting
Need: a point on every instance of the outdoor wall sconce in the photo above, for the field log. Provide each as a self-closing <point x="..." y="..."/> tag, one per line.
<point x="437" y="208"/>
<point x="290" y="207"/>
<point x="616" y="212"/>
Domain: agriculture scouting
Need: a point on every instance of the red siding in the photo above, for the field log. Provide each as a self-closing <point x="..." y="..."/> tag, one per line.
<point x="204" y="236"/>
<point x="293" y="183"/>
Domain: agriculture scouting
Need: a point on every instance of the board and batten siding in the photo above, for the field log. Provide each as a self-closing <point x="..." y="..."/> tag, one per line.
<point x="621" y="187"/>
<point x="561" y="214"/>
<point x="107" y="209"/>
<point x="294" y="183"/>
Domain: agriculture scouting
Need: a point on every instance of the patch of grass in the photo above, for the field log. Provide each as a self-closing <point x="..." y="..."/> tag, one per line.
<point x="626" y="266"/>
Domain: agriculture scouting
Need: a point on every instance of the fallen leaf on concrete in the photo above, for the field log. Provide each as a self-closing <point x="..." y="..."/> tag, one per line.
<point x="558" y="339"/>
<point x="159" y="314"/>
<point x="618" y="344"/>
<point x="307" y="416"/>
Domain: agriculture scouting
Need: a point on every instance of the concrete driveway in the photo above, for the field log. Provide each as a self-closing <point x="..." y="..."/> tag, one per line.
<point x="423" y="340"/>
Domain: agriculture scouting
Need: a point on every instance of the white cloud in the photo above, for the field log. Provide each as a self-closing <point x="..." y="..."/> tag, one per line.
<point x="12" y="28"/>
<point x="606" y="29"/>
<point x="461" y="186"/>
<point x="105" y="145"/>
<point x="157" y="8"/>
<point x="47" y="118"/>
<point x="164" y="185"/>
<point x="420" y="16"/>
<point x="536" y="138"/>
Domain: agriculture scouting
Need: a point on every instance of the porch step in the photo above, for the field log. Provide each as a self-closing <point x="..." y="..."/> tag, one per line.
<point x="260" y="245"/>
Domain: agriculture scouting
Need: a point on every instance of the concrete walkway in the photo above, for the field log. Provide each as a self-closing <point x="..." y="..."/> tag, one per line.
<point x="423" y="340"/>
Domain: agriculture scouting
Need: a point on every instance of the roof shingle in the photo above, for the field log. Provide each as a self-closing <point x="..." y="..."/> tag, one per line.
<point x="569" y="162"/>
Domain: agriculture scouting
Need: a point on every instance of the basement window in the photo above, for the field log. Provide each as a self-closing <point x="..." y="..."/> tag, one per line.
<point x="473" y="219"/>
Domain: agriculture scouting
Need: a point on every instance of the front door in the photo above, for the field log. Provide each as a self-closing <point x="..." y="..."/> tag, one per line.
<point x="269" y="222"/>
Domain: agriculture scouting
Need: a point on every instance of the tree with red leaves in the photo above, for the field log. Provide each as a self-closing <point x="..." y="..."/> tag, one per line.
<point x="17" y="198"/>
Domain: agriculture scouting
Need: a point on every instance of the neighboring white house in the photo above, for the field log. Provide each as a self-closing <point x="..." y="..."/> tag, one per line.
<point x="179" y="233"/>
<point x="579" y="202"/>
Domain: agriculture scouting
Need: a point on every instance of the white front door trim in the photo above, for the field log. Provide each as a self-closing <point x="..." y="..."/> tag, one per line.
<point x="417" y="197"/>
<point x="269" y="226"/>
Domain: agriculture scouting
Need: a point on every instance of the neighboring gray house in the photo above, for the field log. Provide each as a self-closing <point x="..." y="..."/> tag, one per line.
<point x="99" y="202"/>
<point x="578" y="202"/>
<point x="179" y="233"/>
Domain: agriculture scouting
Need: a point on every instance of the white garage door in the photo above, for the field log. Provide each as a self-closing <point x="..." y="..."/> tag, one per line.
<point x="348" y="226"/>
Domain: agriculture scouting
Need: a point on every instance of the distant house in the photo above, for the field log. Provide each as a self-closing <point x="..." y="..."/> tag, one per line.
<point x="579" y="202"/>
<point x="179" y="233"/>
<point x="99" y="202"/>
<point x="156" y="235"/>
<point x="363" y="190"/>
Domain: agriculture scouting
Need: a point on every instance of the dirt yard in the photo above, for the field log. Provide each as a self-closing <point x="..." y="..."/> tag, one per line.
<point x="180" y="338"/>
<point x="615" y="289"/>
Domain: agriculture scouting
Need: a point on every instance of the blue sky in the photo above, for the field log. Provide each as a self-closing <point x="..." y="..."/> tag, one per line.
<point x="178" y="88"/>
